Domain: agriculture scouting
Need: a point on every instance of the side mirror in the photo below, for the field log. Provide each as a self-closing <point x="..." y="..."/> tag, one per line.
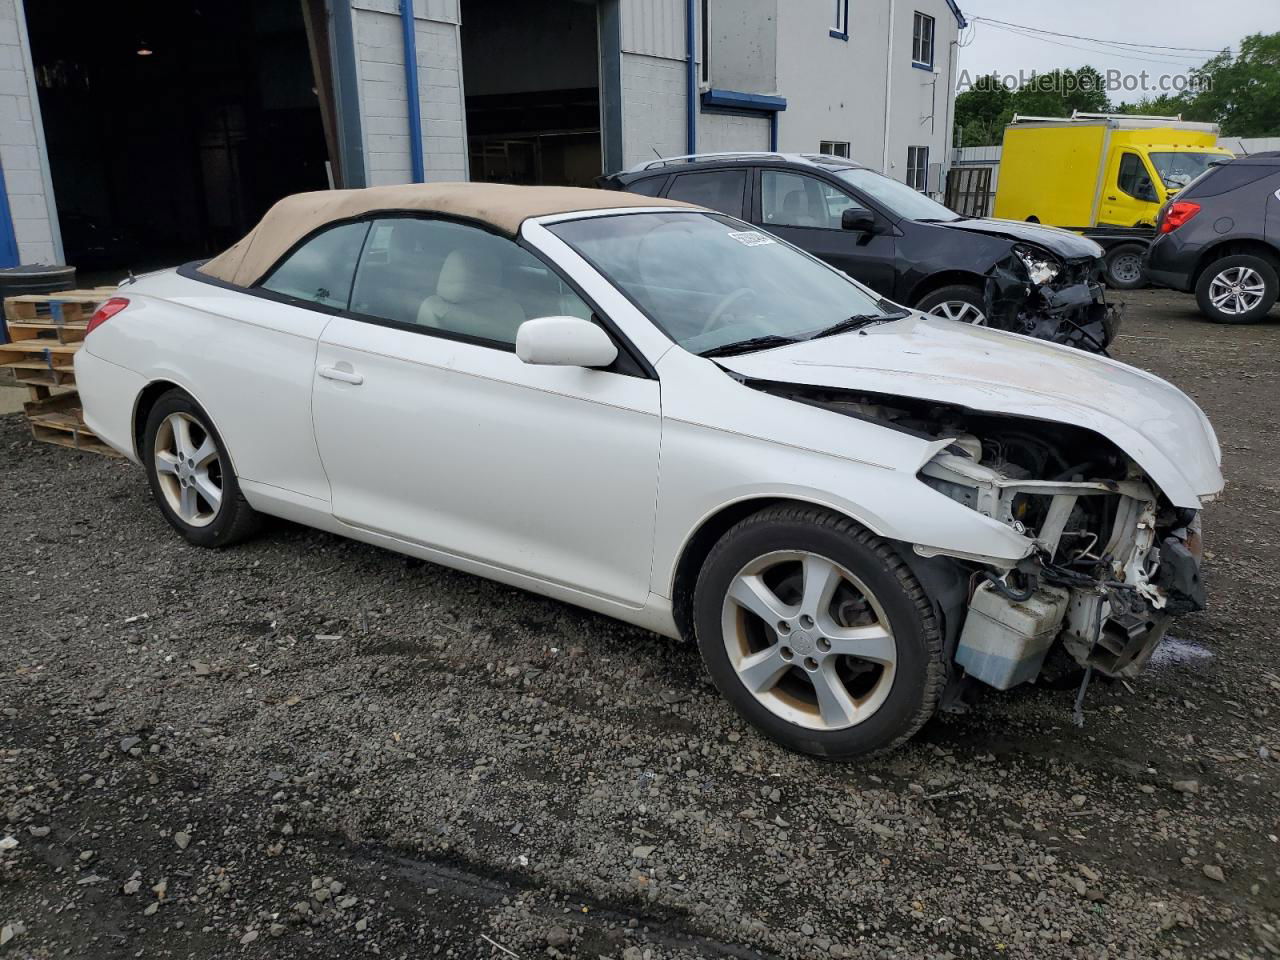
<point x="855" y="218"/>
<point x="564" y="342"/>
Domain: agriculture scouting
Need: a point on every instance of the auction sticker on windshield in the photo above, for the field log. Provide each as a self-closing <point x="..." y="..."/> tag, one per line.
<point x="751" y="238"/>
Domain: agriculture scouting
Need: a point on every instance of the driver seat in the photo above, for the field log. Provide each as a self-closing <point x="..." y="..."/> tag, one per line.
<point x="470" y="299"/>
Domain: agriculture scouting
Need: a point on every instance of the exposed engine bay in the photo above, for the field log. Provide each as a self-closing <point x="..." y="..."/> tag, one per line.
<point x="1034" y="293"/>
<point x="1110" y="560"/>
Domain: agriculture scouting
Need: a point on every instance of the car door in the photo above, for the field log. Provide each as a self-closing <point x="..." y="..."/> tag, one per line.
<point x="806" y="210"/>
<point x="433" y="431"/>
<point x="1129" y="196"/>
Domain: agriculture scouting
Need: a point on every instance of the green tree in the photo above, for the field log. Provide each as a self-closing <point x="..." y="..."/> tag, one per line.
<point x="983" y="111"/>
<point x="978" y="111"/>
<point x="1242" y="92"/>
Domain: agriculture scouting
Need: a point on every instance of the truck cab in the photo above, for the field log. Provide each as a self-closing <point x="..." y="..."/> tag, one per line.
<point x="1141" y="176"/>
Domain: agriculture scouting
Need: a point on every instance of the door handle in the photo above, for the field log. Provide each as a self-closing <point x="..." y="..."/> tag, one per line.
<point x="1111" y="198"/>
<point x="341" y="375"/>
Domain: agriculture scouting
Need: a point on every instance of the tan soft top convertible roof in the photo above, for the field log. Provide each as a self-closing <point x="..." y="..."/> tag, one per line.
<point x="502" y="206"/>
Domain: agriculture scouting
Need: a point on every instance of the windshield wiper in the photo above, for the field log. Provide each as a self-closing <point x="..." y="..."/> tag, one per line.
<point x="860" y="320"/>
<point x="746" y="346"/>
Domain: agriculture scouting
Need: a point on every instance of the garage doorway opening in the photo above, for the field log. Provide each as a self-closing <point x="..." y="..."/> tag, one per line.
<point x="172" y="125"/>
<point x="531" y="74"/>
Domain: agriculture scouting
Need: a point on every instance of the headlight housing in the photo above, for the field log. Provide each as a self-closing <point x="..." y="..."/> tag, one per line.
<point x="1041" y="267"/>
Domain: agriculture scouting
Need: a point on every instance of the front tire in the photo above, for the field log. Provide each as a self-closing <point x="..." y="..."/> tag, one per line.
<point x="191" y="475"/>
<point x="1124" y="267"/>
<point x="1237" y="289"/>
<point x="818" y="634"/>
<point x="959" y="302"/>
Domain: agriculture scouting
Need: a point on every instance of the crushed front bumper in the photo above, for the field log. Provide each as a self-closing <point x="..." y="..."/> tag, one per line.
<point x="1070" y="309"/>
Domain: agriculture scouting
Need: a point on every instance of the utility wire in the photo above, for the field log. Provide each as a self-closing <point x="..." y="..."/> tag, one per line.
<point x="1075" y="36"/>
<point x="1094" y="50"/>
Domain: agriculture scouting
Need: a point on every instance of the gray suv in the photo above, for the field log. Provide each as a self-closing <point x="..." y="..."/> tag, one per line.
<point x="1220" y="237"/>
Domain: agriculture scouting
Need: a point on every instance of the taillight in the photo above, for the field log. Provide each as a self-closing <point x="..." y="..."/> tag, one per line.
<point x="1176" y="214"/>
<point x="105" y="313"/>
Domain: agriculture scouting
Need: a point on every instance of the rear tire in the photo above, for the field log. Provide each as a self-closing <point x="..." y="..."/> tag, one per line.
<point x="818" y="633"/>
<point x="191" y="475"/>
<point x="959" y="301"/>
<point x="1123" y="267"/>
<point x="1237" y="289"/>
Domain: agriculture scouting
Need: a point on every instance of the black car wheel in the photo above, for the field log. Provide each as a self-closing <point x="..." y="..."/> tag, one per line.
<point x="959" y="302"/>
<point x="191" y="476"/>
<point x="818" y="633"/>
<point x="1124" y="267"/>
<point x="1237" y="289"/>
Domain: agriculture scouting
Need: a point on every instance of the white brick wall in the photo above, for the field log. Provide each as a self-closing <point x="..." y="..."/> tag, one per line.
<point x="721" y="131"/>
<point x="654" y="107"/>
<point x="383" y="99"/>
<point x="21" y="145"/>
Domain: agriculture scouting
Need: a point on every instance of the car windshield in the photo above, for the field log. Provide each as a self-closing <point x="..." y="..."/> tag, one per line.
<point x="710" y="282"/>
<point x="1179" y="169"/>
<point x="906" y="203"/>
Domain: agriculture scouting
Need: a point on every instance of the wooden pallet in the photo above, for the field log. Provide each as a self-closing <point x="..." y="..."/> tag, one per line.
<point x="45" y="331"/>
<point x="59" y="419"/>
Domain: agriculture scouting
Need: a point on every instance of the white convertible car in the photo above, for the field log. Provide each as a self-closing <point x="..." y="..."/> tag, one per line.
<point x="662" y="414"/>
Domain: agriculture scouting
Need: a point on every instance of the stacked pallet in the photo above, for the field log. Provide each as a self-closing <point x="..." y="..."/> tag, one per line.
<point x="45" y="331"/>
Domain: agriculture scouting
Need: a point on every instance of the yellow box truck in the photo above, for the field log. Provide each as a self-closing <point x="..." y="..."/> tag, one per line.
<point x="1105" y="175"/>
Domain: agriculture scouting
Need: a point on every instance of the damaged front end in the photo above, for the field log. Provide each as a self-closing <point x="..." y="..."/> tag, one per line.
<point x="1035" y="293"/>
<point x="1112" y="563"/>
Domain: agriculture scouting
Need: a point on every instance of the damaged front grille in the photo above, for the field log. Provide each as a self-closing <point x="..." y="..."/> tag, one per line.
<point x="1070" y="308"/>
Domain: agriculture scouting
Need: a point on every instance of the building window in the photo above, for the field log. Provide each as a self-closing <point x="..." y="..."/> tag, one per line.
<point x="918" y="168"/>
<point x="841" y="29"/>
<point x="706" y="41"/>
<point x="834" y="148"/>
<point x="922" y="42"/>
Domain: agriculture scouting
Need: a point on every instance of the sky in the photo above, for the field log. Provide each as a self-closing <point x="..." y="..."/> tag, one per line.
<point x="1207" y="25"/>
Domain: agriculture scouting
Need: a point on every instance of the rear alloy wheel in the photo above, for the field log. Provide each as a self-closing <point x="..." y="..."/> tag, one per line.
<point x="1124" y="268"/>
<point x="958" y="302"/>
<point x="191" y="475"/>
<point x="1237" y="289"/>
<point x="817" y="632"/>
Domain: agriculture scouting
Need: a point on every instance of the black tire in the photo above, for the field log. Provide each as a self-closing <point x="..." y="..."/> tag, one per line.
<point x="954" y="293"/>
<point x="1247" y="261"/>
<point x="1123" y="267"/>
<point x="233" y="520"/>
<point x="919" y="674"/>
<point x="1033" y="219"/>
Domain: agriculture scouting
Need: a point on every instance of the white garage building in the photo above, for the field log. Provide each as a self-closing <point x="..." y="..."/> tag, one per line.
<point x="139" y="138"/>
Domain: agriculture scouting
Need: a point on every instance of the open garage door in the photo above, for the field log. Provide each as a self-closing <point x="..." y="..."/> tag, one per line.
<point x="531" y="74"/>
<point x="172" y="125"/>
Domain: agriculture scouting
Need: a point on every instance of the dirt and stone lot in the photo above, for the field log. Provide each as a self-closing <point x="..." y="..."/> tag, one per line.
<point x="308" y="747"/>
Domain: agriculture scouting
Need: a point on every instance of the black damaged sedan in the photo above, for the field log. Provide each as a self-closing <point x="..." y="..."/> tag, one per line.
<point x="1023" y="277"/>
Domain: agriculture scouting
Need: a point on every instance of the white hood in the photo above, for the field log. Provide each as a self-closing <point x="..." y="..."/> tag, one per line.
<point x="930" y="358"/>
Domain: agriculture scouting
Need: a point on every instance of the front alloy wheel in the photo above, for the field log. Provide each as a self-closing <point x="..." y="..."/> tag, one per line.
<point x="818" y="633"/>
<point x="959" y="310"/>
<point x="809" y="640"/>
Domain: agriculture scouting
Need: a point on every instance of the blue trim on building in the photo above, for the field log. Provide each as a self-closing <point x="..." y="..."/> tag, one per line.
<point x="955" y="9"/>
<point x="922" y="66"/>
<point x="8" y="242"/>
<point x="691" y="77"/>
<point x="838" y="35"/>
<point x="773" y="132"/>
<point x="736" y="100"/>
<point x="417" y="163"/>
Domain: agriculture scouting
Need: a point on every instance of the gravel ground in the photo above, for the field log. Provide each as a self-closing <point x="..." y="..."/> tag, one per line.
<point x="309" y="747"/>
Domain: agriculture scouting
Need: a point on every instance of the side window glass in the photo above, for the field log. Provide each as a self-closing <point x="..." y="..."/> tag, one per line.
<point x="796" y="200"/>
<point x="721" y="190"/>
<point x="649" y="188"/>
<point x="445" y="276"/>
<point x="1133" y="179"/>
<point x="322" y="268"/>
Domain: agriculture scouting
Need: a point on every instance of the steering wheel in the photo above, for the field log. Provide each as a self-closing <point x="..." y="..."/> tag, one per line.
<point x="727" y="301"/>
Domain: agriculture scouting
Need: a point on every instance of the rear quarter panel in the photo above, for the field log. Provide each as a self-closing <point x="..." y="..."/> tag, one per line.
<point x="248" y="361"/>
